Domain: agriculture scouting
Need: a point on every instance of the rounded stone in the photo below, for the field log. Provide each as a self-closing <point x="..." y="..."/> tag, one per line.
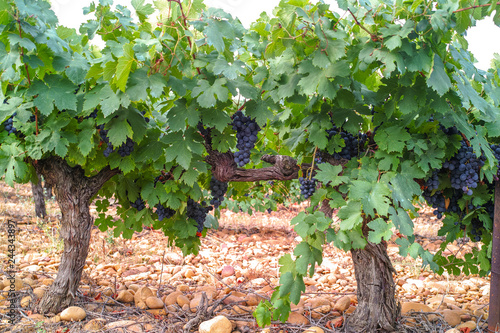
<point x="73" y="313"/>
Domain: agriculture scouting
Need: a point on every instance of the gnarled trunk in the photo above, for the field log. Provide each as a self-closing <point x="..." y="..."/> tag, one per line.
<point x="378" y="309"/>
<point x="73" y="192"/>
<point x="38" y="198"/>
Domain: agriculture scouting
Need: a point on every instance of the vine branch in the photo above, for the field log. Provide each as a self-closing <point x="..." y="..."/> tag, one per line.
<point x="373" y="36"/>
<point x="474" y="7"/>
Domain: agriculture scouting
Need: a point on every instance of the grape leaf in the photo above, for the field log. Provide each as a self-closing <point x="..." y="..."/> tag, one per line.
<point x="56" y="91"/>
<point x="124" y="66"/>
<point x="438" y="78"/>
<point x="379" y="230"/>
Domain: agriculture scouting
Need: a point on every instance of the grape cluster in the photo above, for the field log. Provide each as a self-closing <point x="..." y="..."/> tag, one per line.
<point x="464" y="169"/>
<point x="318" y="159"/>
<point x="218" y="190"/>
<point x="161" y="178"/>
<point x="104" y="137"/>
<point x="126" y="148"/>
<point x="138" y="204"/>
<point x="9" y="124"/>
<point x="246" y="133"/>
<point x="432" y="182"/>
<point x="307" y="186"/>
<point x="164" y="212"/>
<point x="437" y="200"/>
<point x="198" y="212"/>
<point x="353" y="143"/>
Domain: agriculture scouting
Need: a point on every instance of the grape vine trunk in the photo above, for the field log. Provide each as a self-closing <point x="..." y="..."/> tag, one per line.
<point x="74" y="192"/>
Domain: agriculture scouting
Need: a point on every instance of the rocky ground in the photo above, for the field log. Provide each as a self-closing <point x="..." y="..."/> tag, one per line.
<point x="141" y="285"/>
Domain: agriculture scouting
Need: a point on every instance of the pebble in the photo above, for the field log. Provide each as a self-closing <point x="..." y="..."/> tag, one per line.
<point x="342" y="304"/>
<point x="417" y="307"/>
<point x="73" y="313"/>
<point x="468" y="324"/>
<point x="95" y="325"/>
<point x="25" y="301"/>
<point x="297" y="319"/>
<point x="171" y="298"/>
<point x="452" y="317"/>
<point x="123" y="326"/>
<point x="125" y="296"/>
<point x="154" y="302"/>
<point x="182" y="300"/>
<point x="453" y="330"/>
<point x="140" y="297"/>
<point x="219" y="324"/>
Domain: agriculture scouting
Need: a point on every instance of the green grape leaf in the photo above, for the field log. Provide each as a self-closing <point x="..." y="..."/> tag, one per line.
<point x="307" y="255"/>
<point x="392" y="139"/>
<point x="286" y="263"/>
<point x="57" y="91"/>
<point x="118" y="132"/>
<point x="438" y="78"/>
<point x="329" y="174"/>
<point x="350" y="215"/>
<point x="124" y="66"/>
<point x="207" y="93"/>
<point x="401" y="221"/>
<point x="379" y="230"/>
<point x="127" y="164"/>
<point x="262" y="314"/>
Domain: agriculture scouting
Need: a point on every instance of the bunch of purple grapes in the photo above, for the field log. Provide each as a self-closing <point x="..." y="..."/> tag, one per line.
<point x="198" y="212"/>
<point x="218" y="190"/>
<point x="144" y="115"/>
<point x="307" y="186"/>
<point x="464" y="169"/>
<point x="353" y="143"/>
<point x="9" y="124"/>
<point x="432" y="183"/>
<point x="104" y="137"/>
<point x="164" y="212"/>
<point x="138" y="204"/>
<point x="246" y="134"/>
<point x="126" y="148"/>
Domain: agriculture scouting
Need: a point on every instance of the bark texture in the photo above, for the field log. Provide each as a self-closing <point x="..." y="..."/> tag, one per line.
<point x="378" y="309"/>
<point x="37" y="191"/>
<point x="225" y="169"/>
<point x="73" y="191"/>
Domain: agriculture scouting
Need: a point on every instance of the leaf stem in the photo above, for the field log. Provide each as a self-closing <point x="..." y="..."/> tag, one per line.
<point x="374" y="37"/>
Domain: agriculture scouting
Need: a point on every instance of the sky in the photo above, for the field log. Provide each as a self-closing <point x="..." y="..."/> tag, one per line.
<point x="481" y="38"/>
